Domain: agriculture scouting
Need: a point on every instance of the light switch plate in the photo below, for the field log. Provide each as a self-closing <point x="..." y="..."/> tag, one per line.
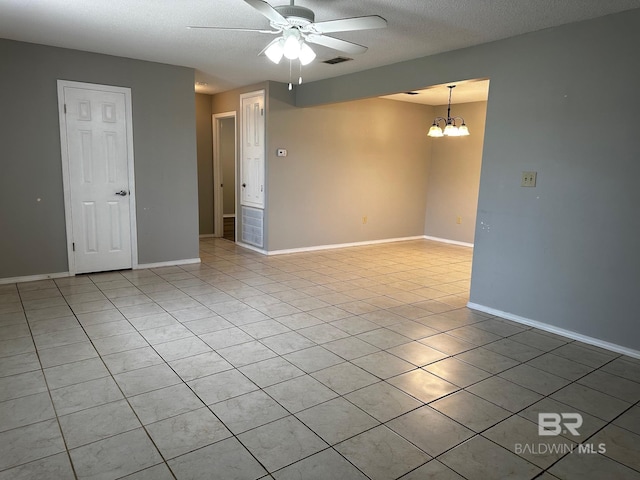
<point x="281" y="152"/>
<point x="529" y="179"/>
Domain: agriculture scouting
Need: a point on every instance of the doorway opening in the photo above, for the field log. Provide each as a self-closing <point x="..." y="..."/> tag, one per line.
<point x="96" y="136"/>
<point x="454" y="162"/>
<point x="224" y="175"/>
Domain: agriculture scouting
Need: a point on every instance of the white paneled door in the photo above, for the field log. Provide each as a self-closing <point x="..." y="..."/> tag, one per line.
<point x="252" y="149"/>
<point x="96" y="156"/>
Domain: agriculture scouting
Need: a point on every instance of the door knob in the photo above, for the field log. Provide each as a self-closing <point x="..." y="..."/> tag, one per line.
<point x="244" y="185"/>
<point x="122" y="193"/>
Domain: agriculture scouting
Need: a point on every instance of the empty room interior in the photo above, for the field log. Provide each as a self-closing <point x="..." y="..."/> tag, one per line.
<point x="323" y="240"/>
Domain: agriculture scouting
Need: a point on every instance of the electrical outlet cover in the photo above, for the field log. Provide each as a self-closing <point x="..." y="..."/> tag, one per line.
<point x="529" y="179"/>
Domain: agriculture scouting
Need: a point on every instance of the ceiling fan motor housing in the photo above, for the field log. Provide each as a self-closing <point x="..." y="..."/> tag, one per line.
<point x="297" y="16"/>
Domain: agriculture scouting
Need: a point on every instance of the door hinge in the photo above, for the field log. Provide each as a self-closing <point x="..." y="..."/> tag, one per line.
<point x="73" y="245"/>
<point x="262" y="112"/>
<point x="261" y="188"/>
<point x="65" y="108"/>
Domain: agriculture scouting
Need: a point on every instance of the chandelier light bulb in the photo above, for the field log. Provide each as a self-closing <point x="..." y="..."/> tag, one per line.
<point x="435" y="131"/>
<point x="463" y="131"/>
<point x="451" y="130"/>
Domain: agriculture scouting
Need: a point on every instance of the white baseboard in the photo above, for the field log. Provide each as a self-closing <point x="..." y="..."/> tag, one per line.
<point x="342" y="245"/>
<point x="207" y="235"/>
<point x="34" y="278"/>
<point x="171" y="263"/>
<point x="446" y="240"/>
<point x="351" y="244"/>
<point x="559" y="331"/>
<point x="47" y="276"/>
<point x="251" y="247"/>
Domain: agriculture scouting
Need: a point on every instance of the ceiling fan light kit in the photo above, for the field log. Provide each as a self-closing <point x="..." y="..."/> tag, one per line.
<point x="307" y="55"/>
<point x="275" y="50"/>
<point x="298" y="28"/>
<point x="451" y="129"/>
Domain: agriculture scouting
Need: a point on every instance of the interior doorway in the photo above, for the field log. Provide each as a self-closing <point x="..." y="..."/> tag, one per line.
<point x="455" y="162"/>
<point x="98" y="176"/>
<point x="224" y="175"/>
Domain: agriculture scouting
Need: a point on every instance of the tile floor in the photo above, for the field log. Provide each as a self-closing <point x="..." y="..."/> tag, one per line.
<point x="344" y="364"/>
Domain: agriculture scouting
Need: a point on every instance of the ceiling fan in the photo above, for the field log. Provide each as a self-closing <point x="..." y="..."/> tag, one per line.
<point x="298" y="27"/>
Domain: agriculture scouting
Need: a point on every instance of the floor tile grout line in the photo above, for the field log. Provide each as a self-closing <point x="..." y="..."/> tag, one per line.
<point x="598" y="431"/>
<point x="164" y="460"/>
<point x="281" y="405"/>
<point x="406" y="319"/>
<point x="519" y="363"/>
<point x="53" y="406"/>
<point x="417" y="367"/>
<point x="205" y="405"/>
<point x="518" y="414"/>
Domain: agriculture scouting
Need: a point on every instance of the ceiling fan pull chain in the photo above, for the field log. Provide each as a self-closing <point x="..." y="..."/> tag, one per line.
<point x="300" y="77"/>
<point x="290" y="84"/>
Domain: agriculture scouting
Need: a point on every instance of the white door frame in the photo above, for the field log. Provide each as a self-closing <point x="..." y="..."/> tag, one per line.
<point x="218" y="220"/>
<point x="66" y="183"/>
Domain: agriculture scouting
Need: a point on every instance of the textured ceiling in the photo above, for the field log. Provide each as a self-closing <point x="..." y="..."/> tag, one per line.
<point x="156" y="30"/>
<point x="464" y="92"/>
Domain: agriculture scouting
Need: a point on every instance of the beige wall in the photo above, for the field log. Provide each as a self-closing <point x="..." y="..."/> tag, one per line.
<point x="345" y="161"/>
<point x="230" y="101"/>
<point x="205" y="163"/>
<point x="364" y="158"/>
<point x="454" y="177"/>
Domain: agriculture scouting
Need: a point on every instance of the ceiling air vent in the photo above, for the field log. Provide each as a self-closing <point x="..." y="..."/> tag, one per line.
<point x="411" y="93"/>
<point x="333" y="61"/>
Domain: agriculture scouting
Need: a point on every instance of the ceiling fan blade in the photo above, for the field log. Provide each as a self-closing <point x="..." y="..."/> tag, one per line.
<point x="268" y="11"/>
<point x="348" y="24"/>
<point x="197" y="27"/>
<point x="336" y="44"/>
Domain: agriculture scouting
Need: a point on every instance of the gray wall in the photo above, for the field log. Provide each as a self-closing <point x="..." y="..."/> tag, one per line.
<point x="454" y="177"/>
<point x="33" y="238"/>
<point x="345" y="161"/>
<point x="204" y="136"/>
<point x="562" y="102"/>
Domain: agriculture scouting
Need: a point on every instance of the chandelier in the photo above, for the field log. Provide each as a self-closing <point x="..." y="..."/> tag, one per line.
<point x="451" y="129"/>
